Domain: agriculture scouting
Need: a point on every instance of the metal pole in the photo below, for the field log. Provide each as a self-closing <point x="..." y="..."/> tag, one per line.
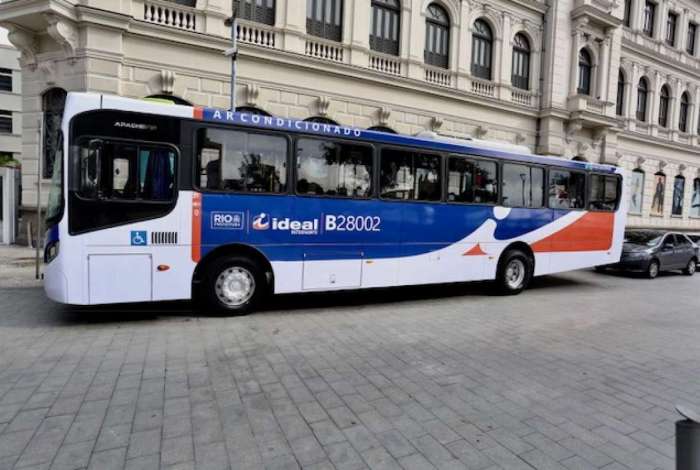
<point x="232" y="22"/>
<point x="40" y="133"/>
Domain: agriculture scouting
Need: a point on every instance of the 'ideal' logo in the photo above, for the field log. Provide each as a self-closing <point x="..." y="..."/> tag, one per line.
<point x="261" y="222"/>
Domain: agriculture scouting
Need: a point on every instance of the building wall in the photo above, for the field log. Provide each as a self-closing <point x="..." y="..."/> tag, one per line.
<point x="11" y="143"/>
<point x="124" y="48"/>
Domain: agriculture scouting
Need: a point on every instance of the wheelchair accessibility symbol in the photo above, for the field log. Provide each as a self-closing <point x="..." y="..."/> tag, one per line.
<point x="138" y="238"/>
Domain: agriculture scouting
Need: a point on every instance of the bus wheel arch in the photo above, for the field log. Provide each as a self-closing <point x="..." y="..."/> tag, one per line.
<point x="515" y="269"/>
<point x="201" y="279"/>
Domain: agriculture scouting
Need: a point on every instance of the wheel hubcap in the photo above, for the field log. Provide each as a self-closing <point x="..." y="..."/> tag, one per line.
<point x="515" y="274"/>
<point x="654" y="269"/>
<point x="691" y="267"/>
<point x="235" y="286"/>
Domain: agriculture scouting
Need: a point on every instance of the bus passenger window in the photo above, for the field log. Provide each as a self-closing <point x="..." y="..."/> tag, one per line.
<point x="604" y="193"/>
<point x="118" y="171"/>
<point x="567" y="190"/>
<point x="410" y="176"/>
<point x="472" y="181"/>
<point x="328" y="168"/>
<point x="523" y="186"/>
<point x="241" y="161"/>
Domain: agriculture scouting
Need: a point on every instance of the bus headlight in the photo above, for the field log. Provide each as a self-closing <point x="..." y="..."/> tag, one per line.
<point x="51" y="251"/>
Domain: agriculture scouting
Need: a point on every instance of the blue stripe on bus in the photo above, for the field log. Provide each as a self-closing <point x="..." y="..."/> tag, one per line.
<point x="379" y="229"/>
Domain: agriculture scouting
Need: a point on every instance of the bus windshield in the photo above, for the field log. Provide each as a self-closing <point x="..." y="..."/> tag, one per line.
<point x="54" y="208"/>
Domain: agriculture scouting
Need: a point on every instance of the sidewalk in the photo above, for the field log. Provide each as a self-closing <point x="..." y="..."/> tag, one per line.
<point x="17" y="267"/>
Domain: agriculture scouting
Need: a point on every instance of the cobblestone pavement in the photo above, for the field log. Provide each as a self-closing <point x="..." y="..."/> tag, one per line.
<point x="581" y="372"/>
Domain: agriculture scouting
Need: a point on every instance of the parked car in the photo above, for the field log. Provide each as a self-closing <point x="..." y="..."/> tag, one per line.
<point x="654" y="251"/>
<point x="695" y="238"/>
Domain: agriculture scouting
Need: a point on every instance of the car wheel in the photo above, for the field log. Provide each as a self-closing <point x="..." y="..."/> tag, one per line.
<point x="514" y="272"/>
<point x="233" y="286"/>
<point x="691" y="267"/>
<point x="653" y="269"/>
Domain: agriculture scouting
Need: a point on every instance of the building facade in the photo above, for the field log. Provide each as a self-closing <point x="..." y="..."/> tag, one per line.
<point x="587" y="79"/>
<point x="10" y="104"/>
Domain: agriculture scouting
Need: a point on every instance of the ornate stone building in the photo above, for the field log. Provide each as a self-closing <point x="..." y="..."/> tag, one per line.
<point x="588" y="79"/>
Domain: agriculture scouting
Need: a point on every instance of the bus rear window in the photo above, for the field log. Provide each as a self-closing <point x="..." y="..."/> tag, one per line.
<point x="604" y="193"/>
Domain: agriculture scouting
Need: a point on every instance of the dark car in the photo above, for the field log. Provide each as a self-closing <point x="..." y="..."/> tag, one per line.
<point x="695" y="238"/>
<point x="653" y="251"/>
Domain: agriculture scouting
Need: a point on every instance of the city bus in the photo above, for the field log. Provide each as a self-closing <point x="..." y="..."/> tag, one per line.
<point x="153" y="201"/>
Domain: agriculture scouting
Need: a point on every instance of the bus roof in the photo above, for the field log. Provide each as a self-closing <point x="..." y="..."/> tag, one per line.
<point x="425" y="140"/>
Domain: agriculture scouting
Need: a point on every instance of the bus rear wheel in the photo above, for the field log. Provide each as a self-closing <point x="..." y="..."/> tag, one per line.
<point x="233" y="286"/>
<point x="514" y="272"/>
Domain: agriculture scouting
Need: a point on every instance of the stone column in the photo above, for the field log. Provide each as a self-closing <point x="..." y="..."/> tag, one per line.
<point x="464" y="46"/>
<point x="506" y="50"/>
<point x="636" y="13"/>
<point x="293" y="17"/>
<point x="660" y="20"/>
<point x="653" y="105"/>
<point x="357" y="31"/>
<point x="573" y="75"/>
<point x="416" y="44"/>
<point x="682" y="30"/>
<point x="675" y="105"/>
<point x="603" y="69"/>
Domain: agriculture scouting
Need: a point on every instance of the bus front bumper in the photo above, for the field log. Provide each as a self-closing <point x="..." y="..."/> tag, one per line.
<point x="55" y="283"/>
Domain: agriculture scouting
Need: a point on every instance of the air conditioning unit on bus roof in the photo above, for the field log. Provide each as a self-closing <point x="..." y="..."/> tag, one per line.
<point x="469" y="141"/>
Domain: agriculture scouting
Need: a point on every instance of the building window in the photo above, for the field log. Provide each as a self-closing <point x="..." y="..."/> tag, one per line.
<point x="5" y="122"/>
<point x="520" y="77"/>
<point x="53" y="102"/>
<point x="683" y="117"/>
<point x="5" y="80"/>
<point x="324" y="18"/>
<point x="620" y="103"/>
<point x="627" y="13"/>
<point x="260" y="11"/>
<point x="642" y="94"/>
<point x="671" y="22"/>
<point x="648" y="24"/>
<point x="678" y="195"/>
<point x="482" y="46"/>
<point x="437" y="36"/>
<point x="584" y="72"/>
<point x="384" y="26"/>
<point x="663" y="106"/>
<point x="690" y="43"/>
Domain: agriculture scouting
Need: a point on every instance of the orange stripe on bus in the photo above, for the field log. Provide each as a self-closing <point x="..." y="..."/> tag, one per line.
<point x="475" y="251"/>
<point x="196" y="227"/>
<point x="592" y="232"/>
<point x="198" y="113"/>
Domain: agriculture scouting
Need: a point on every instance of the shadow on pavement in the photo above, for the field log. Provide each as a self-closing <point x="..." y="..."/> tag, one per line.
<point x="29" y="307"/>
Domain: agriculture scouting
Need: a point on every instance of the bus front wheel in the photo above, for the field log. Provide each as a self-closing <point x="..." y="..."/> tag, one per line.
<point x="234" y="286"/>
<point x="514" y="272"/>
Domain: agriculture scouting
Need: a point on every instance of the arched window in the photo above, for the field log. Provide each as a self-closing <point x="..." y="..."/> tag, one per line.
<point x="482" y="47"/>
<point x="437" y="36"/>
<point x="321" y="120"/>
<point x="171" y="98"/>
<point x="585" y="65"/>
<point x="52" y="103"/>
<point x="252" y="110"/>
<point x="683" y="117"/>
<point x="678" y="195"/>
<point x="663" y="106"/>
<point x="384" y="26"/>
<point x="387" y="130"/>
<point x="520" y="77"/>
<point x="695" y="199"/>
<point x="620" y="103"/>
<point x="642" y="94"/>
<point x="260" y="11"/>
<point x="324" y="18"/>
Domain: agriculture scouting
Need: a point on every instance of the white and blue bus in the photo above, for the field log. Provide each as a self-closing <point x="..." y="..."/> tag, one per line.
<point x="152" y="202"/>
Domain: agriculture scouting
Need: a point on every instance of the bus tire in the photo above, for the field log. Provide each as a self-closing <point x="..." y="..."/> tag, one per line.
<point x="233" y="285"/>
<point x="514" y="273"/>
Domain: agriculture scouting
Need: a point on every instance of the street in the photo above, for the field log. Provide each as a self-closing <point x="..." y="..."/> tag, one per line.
<point x="582" y="371"/>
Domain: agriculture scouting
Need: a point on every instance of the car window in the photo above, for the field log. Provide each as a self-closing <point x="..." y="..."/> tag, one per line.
<point x="682" y="241"/>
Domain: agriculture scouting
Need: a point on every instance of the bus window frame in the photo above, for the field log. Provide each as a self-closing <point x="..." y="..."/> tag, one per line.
<point x="74" y="186"/>
<point x="618" y="199"/>
<point x="194" y="164"/>
<point x="586" y="195"/>
<point x="441" y="155"/>
<point x="359" y="143"/>
<point x="472" y="158"/>
<point x="545" y="182"/>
